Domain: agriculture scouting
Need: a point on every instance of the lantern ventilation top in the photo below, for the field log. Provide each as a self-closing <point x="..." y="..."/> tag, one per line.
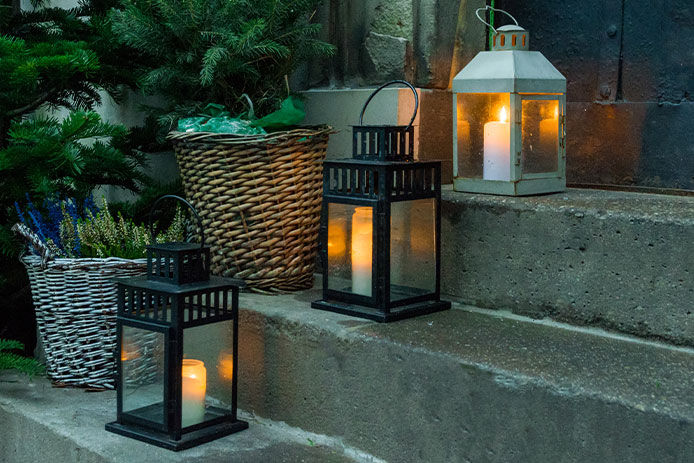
<point x="509" y="37"/>
<point x="384" y="142"/>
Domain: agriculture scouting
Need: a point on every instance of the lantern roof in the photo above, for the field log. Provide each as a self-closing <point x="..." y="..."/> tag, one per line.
<point x="512" y="71"/>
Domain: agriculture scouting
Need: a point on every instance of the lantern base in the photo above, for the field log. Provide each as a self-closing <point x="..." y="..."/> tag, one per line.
<point x="396" y="313"/>
<point x="188" y="440"/>
<point x="523" y="187"/>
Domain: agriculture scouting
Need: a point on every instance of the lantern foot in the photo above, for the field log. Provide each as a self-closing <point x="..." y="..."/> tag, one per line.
<point x="188" y="440"/>
<point x="396" y="313"/>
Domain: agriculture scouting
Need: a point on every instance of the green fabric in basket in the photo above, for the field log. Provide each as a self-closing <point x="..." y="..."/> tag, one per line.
<point x="223" y="124"/>
<point x="215" y="118"/>
<point x="291" y="112"/>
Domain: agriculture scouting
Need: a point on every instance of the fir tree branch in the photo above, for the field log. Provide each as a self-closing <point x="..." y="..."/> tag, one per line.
<point x="41" y="99"/>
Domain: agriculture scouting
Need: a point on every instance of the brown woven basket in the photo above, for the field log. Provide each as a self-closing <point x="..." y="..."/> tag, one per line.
<point x="259" y="198"/>
<point x="75" y="303"/>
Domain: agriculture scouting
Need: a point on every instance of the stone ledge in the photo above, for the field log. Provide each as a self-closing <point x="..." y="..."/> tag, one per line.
<point x="619" y="260"/>
<point x="465" y="385"/>
<point x="40" y="423"/>
<point x="601" y="204"/>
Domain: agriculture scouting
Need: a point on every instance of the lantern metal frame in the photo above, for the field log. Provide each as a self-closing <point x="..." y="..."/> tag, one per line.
<point x="157" y="303"/>
<point x="511" y="69"/>
<point x="382" y="172"/>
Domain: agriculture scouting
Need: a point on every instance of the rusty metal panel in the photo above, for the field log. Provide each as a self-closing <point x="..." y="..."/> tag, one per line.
<point x="658" y="52"/>
<point x="570" y="34"/>
<point x="630" y="72"/>
<point x="643" y="144"/>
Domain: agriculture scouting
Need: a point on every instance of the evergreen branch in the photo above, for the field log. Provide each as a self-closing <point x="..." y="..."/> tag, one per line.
<point x="38" y="101"/>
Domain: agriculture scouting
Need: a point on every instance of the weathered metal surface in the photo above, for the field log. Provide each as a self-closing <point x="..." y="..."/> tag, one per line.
<point x="657" y="56"/>
<point x="630" y="72"/>
<point x="642" y="143"/>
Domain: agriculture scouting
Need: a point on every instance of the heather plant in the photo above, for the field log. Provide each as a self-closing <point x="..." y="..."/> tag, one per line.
<point x="55" y="223"/>
<point x="87" y="231"/>
<point x="103" y="235"/>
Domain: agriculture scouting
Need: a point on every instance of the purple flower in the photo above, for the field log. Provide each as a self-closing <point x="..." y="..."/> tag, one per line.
<point x="19" y="213"/>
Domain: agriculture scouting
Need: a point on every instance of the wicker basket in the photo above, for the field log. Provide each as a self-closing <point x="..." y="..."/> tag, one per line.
<point x="75" y="303"/>
<point x="259" y="198"/>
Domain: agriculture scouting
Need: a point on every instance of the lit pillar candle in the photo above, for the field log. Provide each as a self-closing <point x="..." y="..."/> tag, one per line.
<point x="225" y="367"/>
<point x="337" y="237"/>
<point x="463" y="129"/>
<point x="194" y="385"/>
<point x="497" y="149"/>
<point x="549" y="133"/>
<point x="362" y="236"/>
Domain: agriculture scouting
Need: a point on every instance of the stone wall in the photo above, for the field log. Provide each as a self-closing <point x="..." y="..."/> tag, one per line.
<point x="423" y="41"/>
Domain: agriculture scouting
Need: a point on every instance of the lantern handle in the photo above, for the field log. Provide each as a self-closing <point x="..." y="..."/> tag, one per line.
<point x="190" y="206"/>
<point x="487" y="7"/>
<point x="404" y="82"/>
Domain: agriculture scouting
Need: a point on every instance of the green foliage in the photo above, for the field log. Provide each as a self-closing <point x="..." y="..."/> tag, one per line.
<point x="139" y="209"/>
<point x="59" y="58"/>
<point x="12" y="361"/>
<point x="46" y="156"/>
<point x="102" y="235"/>
<point x="44" y="73"/>
<point x="54" y="58"/>
<point x="71" y="230"/>
<point x="213" y="51"/>
<point x="85" y="27"/>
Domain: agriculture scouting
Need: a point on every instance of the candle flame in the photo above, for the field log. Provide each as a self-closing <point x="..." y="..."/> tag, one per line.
<point x="556" y="112"/>
<point x="502" y="114"/>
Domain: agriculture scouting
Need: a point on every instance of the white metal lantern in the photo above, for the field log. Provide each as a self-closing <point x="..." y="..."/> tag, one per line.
<point x="509" y="119"/>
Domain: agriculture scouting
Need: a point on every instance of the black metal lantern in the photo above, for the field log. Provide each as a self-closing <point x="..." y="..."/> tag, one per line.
<point x="381" y="226"/>
<point x="177" y="334"/>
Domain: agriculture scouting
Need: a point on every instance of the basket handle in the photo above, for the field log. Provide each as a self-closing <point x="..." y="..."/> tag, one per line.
<point x="36" y="242"/>
<point x="190" y="206"/>
<point x="387" y="84"/>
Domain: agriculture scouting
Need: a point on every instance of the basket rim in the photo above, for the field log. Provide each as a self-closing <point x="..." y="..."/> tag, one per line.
<point x="83" y="262"/>
<point x="233" y="139"/>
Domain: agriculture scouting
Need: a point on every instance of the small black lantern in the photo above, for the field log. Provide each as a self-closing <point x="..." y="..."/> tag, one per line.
<point x="381" y="226"/>
<point x="177" y="335"/>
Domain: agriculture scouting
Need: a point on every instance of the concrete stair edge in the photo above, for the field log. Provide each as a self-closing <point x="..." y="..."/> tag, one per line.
<point x="428" y="396"/>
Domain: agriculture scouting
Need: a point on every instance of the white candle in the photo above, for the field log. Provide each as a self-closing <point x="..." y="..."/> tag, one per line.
<point x="463" y="128"/>
<point x="549" y="133"/>
<point x="194" y="384"/>
<point x="337" y="238"/>
<point x="362" y="236"/>
<point x="497" y="149"/>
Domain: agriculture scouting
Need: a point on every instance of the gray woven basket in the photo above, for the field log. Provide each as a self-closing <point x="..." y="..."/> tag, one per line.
<point x="75" y="303"/>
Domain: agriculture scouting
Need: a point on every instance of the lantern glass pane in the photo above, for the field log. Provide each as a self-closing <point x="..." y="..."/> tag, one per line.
<point x="207" y="372"/>
<point x="142" y="373"/>
<point x="540" y="136"/>
<point x="350" y="248"/>
<point x="412" y="248"/>
<point x="483" y="131"/>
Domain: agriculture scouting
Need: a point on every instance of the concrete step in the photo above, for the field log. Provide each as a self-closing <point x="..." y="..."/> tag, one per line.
<point x="618" y="260"/>
<point x="39" y="423"/>
<point x="466" y="385"/>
